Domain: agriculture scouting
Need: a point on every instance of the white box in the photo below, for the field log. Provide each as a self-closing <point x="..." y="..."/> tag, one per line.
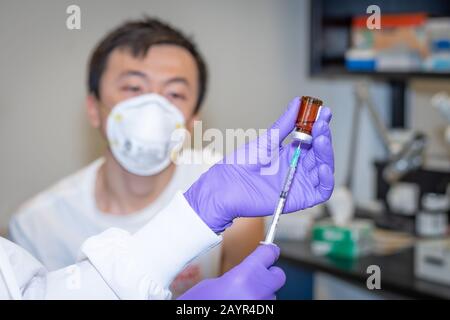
<point x="432" y="261"/>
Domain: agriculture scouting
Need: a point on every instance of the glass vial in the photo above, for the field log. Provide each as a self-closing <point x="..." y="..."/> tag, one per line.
<point x="308" y="113"/>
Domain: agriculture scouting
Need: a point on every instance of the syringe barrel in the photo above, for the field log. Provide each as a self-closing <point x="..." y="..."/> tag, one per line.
<point x="283" y="196"/>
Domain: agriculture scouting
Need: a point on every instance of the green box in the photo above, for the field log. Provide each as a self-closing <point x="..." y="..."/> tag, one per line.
<point x="349" y="241"/>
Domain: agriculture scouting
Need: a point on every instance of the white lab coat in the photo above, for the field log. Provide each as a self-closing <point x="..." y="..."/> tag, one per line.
<point x="114" y="264"/>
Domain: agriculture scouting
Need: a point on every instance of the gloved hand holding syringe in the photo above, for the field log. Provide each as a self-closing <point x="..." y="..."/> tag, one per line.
<point x="308" y="114"/>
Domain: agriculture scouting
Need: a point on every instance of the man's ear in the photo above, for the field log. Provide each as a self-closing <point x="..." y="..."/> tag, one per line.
<point x="93" y="111"/>
<point x="191" y="121"/>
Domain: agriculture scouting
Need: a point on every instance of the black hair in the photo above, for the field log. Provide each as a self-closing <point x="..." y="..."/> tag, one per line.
<point x="139" y="36"/>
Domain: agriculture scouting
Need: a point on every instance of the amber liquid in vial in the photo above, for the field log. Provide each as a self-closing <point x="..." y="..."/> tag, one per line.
<point x="307" y="115"/>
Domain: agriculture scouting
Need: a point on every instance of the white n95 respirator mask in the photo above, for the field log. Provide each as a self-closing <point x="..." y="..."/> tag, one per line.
<point x="144" y="133"/>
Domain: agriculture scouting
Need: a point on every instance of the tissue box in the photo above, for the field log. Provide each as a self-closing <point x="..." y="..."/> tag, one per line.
<point x="350" y="241"/>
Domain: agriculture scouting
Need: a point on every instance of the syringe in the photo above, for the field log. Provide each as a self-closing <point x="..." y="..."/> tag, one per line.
<point x="283" y="196"/>
<point x="308" y="113"/>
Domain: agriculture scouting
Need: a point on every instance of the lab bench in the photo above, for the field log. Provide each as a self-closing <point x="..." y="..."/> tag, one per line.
<point x="397" y="271"/>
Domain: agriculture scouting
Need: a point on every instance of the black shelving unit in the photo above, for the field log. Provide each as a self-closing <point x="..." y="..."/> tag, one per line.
<point x="337" y="15"/>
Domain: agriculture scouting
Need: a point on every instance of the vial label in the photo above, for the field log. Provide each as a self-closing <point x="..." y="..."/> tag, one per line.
<point x="308" y="113"/>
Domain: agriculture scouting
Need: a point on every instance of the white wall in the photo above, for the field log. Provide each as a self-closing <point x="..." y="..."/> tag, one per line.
<point x="256" y="50"/>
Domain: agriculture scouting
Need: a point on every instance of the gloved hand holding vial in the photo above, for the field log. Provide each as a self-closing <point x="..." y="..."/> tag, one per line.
<point x="307" y="115"/>
<point x="229" y="190"/>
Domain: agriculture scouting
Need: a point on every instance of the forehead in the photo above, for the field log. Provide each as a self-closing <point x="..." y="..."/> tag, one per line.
<point x="160" y="61"/>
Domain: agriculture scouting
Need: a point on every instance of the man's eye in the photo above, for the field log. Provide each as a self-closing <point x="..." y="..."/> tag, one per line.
<point x="133" y="89"/>
<point x="175" y="95"/>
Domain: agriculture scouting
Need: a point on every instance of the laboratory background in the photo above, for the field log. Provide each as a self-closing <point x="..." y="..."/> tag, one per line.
<point x="384" y="232"/>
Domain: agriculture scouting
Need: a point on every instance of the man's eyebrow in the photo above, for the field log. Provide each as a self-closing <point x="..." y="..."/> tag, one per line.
<point x="134" y="73"/>
<point x="177" y="79"/>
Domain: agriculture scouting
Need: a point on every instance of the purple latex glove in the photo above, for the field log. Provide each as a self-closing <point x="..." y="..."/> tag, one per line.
<point x="253" y="279"/>
<point x="230" y="189"/>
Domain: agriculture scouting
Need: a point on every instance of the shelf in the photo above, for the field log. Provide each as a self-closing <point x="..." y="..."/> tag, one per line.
<point x="331" y="33"/>
<point x="330" y="37"/>
<point x="341" y="71"/>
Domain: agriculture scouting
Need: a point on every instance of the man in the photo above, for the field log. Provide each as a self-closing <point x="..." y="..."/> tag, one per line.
<point x="136" y="59"/>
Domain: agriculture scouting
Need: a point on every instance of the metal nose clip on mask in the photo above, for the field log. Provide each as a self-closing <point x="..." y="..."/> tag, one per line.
<point x="144" y="132"/>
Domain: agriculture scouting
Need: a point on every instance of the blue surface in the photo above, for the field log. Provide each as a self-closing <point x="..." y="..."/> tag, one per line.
<point x="442" y="44"/>
<point x="360" y="65"/>
<point x="299" y="283"/>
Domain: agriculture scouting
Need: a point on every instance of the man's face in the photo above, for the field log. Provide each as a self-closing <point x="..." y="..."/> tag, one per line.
<point x="167" y="70"/>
